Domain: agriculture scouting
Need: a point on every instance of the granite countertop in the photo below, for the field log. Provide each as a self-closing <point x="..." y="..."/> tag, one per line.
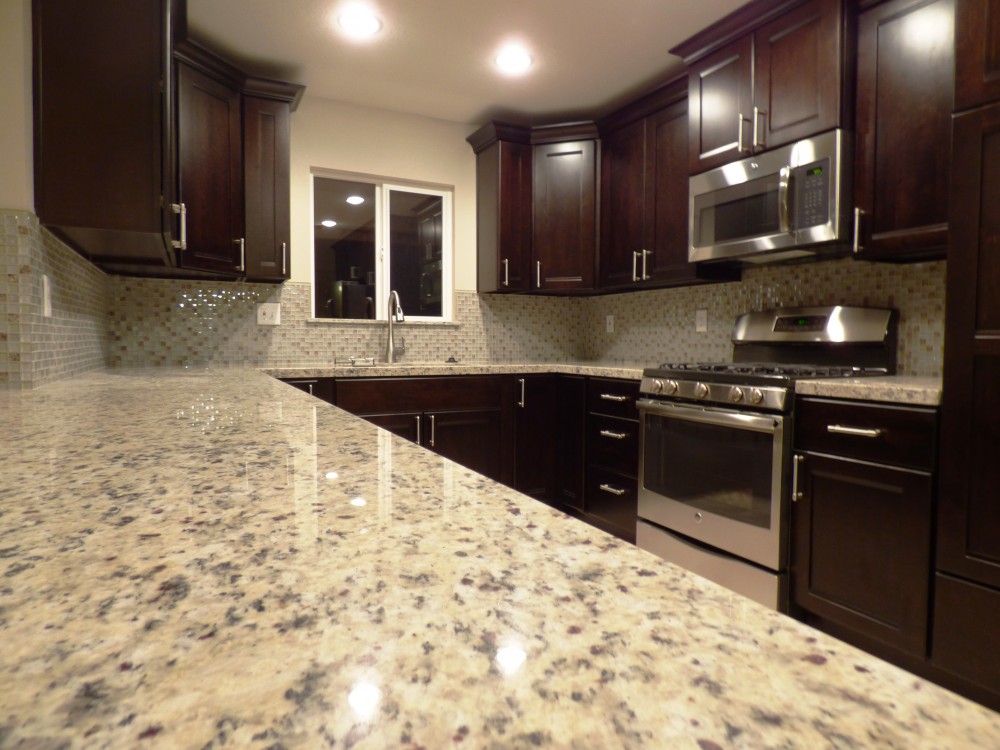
<point x="899" y="389"/>
<point x="408" y="369"/>
<point x="216" y="559"/>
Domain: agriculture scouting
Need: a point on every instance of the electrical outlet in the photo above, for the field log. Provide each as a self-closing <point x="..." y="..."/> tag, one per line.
<point x="701" y="321"/>
<point x="46" y="296"/>
<point x="609" y="323"/>
<point x="269" y="314"/>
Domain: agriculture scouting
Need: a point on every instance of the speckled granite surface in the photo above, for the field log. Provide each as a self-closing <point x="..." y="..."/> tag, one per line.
<point x="403" y="369"/>
<point x="895" y="389"/>
<point x="208" y="560"/>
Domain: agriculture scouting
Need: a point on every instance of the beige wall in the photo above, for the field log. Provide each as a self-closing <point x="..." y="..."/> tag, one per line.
<point x="15" y="94"/>
<point x="346" y="137"/>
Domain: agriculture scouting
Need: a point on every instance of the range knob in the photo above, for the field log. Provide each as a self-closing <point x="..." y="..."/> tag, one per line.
<point x="735" y="394"/>
<point x="671" y="386"/>
<point x="656" y="386"/>
<point x="756" y="396"/>
<point x="700" y="390"/>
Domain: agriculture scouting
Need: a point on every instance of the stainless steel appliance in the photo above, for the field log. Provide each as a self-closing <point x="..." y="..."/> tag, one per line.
<point x="791" y="202"/>
<point x="715" y="459"/>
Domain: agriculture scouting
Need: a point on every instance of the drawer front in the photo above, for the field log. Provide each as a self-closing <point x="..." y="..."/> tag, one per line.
<point x="611" y="498"/>
<point x="613" y="443"/>
<point x="393" y="395"/>
<point x="895" y="435"/>
<point x="616" y="398"/>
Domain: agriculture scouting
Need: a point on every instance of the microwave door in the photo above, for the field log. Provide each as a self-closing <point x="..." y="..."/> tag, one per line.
<point x="741" y="218"/>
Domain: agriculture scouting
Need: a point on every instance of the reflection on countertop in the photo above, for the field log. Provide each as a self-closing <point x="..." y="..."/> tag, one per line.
<point x="214" y="559"/>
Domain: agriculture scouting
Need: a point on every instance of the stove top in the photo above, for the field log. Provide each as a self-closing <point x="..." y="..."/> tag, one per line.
<point x="710" y="370"/>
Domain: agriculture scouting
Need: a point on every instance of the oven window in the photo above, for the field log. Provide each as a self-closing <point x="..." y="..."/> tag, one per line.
<point x="721" y="470"/>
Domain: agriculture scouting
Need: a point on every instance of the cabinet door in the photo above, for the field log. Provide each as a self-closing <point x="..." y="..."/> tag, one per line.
<point x="798" y="63"/>
<point x="721" y="101"/>
<point x="623" y="205"/>
<point x="861" y="542"/>
<point x="266" y="188"/>
<point x="535" y="414"/>
<point x="405" y="425"/>
<point x="503" y="217"/>
<point x="977" y="46"/>
<point x="209" y="174"/>
<point x="564" y="221"/>
<point x="904" y="102"/>
<point x="571" y="425"/>
<point x="969" y="506"/>
<point x="470" y="438"/>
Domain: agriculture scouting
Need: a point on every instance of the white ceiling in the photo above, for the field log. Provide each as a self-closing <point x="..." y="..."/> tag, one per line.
<point x="434" y="57"/>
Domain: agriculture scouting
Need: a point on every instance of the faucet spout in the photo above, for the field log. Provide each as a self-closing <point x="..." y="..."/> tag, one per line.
<point x="395" y="316"/>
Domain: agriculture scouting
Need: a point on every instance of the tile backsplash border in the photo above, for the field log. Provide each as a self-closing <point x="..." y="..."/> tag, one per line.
<point x="99" y="320"/>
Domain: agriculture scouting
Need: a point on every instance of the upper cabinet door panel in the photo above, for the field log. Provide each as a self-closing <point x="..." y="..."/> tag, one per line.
<point x="564" y="237"/>
<point x="623" y="157"/>
<point x="210" y="186"/>
<point x="721" y="106"/>
<point x="266" y="188"/>
<point x="977" y="67"/>
<point x="905" y="97"/>
<point x="798" y="60"/>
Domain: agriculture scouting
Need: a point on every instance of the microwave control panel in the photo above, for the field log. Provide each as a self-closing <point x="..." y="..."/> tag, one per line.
<point x="812" y="194"/>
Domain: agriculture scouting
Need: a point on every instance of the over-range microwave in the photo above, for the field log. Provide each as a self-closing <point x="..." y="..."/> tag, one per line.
<point x="791" y="202"/>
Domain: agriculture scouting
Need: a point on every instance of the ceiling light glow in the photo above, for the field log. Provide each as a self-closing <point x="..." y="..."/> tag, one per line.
<point x="513" y="60"/>
<point x="359" y="23"/>
<point x="328" y="223"/>
<point x="355" y="200"/>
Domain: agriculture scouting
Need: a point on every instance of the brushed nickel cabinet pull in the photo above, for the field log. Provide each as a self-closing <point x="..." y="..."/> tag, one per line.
<point x="613" y="490"/>
<point x="857" y="246"/>
<point x="614" y="435"/>
<point x="796" y="493"/>
<point x="284" y="258"/>
<point x="243" y="253"/>
<point x="838" y="429"/>
<point x="180" y="208"/>
<point x="635" y="265"/>
<point x="613" y="397"/>
<point x="538" y="274"/>
<point x="506" y="272"/>
<point x="432" y="431"/>
<point x="645" y="256"/>
<point x="418" y="428"/>
<point x="521" y="402"/>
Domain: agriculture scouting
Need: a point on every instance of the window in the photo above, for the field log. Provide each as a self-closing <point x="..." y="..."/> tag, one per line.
<point x="370" y="238"/>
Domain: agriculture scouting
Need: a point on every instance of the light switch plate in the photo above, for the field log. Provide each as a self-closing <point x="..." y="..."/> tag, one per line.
<point x="46" y="296"/>
<point x="701" y="321"/>
<point x="609" y="323"/>
<point x="269" y="314"/>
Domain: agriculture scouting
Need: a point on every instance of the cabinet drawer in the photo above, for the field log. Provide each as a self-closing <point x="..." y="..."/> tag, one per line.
<point x="896" y="435"/>
<point x="392" y="395"/>
<point x="613" y="443"/>
<point x="615" y="398"/>
<point x="611" y="499"/>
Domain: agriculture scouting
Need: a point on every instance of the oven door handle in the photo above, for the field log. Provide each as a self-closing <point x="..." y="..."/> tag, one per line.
<point x="769" y="423"/>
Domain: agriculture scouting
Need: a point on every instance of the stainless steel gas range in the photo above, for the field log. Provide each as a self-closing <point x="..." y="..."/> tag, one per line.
<point x="715" y="465"/>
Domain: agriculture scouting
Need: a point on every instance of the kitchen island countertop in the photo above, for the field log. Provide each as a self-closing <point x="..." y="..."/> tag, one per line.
<point x="215" y="559"/>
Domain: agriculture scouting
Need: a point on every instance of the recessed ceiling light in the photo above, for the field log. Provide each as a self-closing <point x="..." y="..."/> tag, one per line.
<point x="359" y="23"/>
<point x="355" y="200"/>
<point x="513" y="60"/>
<point x="328" y="223"/>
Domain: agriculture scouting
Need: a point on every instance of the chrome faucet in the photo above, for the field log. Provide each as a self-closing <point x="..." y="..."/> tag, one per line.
<point x="395" y="315"/>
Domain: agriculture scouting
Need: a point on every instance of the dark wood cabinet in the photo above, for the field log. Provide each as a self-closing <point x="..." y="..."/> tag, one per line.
<point x="209" y="173"/>
<point x="564" y="209"/>
<point x="977" y="46"/>
<point x="905" y="96"/>
<point x="644" y="196"/>
<point x="321" y="388"/>
<point x="571" y="426"/>
<point x="862" y="521"/>
<point x="266" y="190"/>
<point x="503" y="207"/>
<point x="536" y="411"/>
<point x="611" y="494"/>
<point x="463" y="418"/>
<point x="771" y="73"/>
<point x="133" y="121"/>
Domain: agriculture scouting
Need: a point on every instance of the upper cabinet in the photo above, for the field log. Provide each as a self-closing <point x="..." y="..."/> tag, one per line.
<point x="564" y="208"/>
<point x="153" y="156"/>
<point x="644" y="196"/>
<point x="772" y="73"/>
<point x="503" y="207"/>
<point x="906" y="83"/>
<point x="977" y="68"/>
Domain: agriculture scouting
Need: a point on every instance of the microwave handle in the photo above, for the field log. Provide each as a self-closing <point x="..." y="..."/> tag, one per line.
<point x="784" y="178"/>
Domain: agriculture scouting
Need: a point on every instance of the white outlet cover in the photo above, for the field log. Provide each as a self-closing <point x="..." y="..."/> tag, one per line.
<point x="269" y="314"/>
<point x="46" y="296"/>
<point x="701" y="321"/>
<point x="609" y="323"/>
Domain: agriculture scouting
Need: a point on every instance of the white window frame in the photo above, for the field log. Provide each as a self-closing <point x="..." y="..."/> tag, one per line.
<point x="383" y="186"/>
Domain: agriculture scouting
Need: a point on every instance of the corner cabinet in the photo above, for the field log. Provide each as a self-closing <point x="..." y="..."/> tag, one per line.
<point x="154" y="157"/>
<point x="977" y="65"/>
<point x="967" y="601"/>
<point x="564" y="208"/>
<point x="771" y="73"/>
<point x="644" y="196"/>
<point x="906" y="83"/>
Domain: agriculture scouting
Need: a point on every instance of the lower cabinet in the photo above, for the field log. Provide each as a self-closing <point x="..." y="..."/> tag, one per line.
<point x="536" y="426"/>
<point x="463" y="418"/>
<point x="862" y="515"/>
<point x="322" y="388"/>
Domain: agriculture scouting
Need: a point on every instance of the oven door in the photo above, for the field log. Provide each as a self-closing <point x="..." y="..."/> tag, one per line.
<point x="716" y="476"/>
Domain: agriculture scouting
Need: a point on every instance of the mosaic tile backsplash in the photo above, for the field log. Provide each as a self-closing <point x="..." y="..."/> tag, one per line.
<point x="101" y="320"/>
